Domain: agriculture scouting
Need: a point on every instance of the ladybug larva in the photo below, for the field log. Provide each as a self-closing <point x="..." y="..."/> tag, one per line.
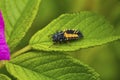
<point x="66" y="35"/>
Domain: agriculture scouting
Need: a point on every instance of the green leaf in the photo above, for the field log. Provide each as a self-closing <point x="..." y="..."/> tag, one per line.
<point x="4" y="77"/>
<point x="49" y="66"/>
<point x="95" y="29"/>
<point x="18" y="15"/>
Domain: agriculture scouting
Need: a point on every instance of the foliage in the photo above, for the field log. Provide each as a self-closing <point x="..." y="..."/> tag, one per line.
<point x="37" y="58"/>
<point x="49" y="66"/>
<point x="88" y="23"/>
<point x="4" y="77"/>
<point x="18" y="18"/>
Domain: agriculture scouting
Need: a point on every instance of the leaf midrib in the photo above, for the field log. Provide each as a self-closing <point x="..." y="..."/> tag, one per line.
<point x="21" y="16"/>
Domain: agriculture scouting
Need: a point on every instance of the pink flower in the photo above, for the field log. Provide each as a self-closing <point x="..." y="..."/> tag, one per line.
<point x="4" y="50"/>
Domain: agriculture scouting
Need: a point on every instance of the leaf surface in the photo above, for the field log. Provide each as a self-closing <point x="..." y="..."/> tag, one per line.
<point x="4" y="77"/>
<point x="95" y="29"/>
<point x="18" y="15"/>
<point x="49" y="66"/>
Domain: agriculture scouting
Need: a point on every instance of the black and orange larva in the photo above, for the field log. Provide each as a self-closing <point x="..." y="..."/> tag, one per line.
<point x="66" y="35"/>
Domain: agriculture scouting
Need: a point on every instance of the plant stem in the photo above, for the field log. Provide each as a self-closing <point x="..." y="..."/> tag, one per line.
<point x="2" y="63"/>
<point x="27" y="48"/>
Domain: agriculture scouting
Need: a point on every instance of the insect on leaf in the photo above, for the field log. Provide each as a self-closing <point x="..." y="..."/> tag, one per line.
<point x="94" y="28"/>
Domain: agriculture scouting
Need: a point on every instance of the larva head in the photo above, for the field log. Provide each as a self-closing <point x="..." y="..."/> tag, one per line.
<point x="58" y="37"/>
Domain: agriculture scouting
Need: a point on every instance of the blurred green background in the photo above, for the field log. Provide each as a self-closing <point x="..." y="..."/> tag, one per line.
<point x="104" y="59"/>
